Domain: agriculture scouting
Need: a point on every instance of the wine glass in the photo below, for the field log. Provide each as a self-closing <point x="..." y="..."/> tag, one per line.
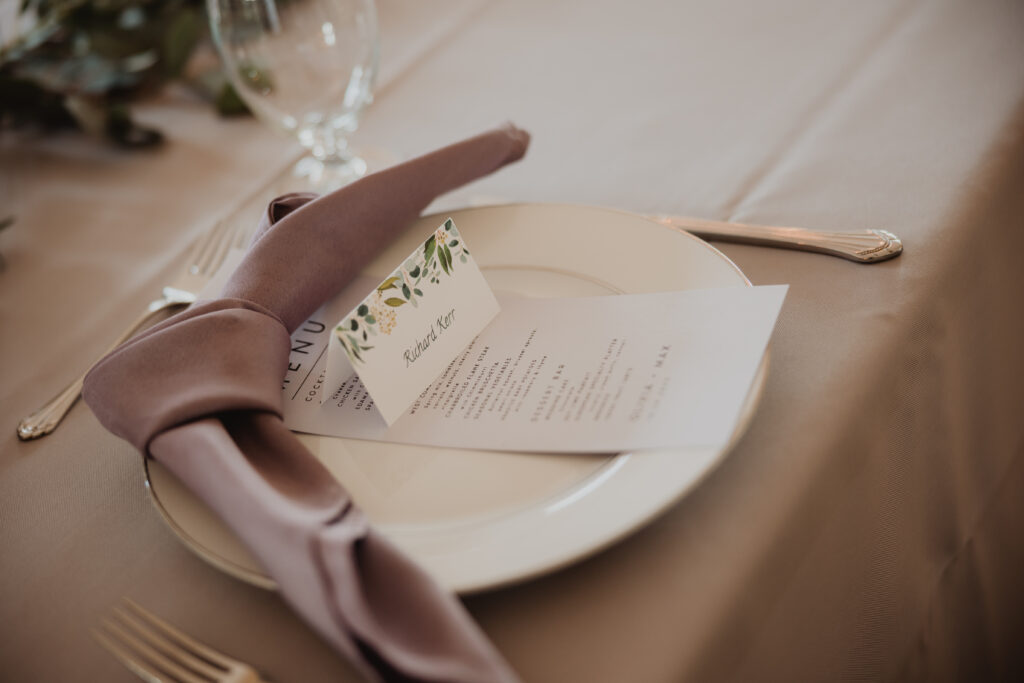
<point x="306" y="67"/>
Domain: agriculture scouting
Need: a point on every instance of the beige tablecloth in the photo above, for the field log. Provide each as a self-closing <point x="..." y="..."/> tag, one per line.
<point x="868" y="526"/>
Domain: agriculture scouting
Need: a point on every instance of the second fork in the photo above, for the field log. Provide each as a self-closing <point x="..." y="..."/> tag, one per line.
<point x="205" y="258"/>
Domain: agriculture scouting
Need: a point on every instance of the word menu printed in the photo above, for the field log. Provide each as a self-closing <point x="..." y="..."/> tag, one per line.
<point x="594" y="374"/>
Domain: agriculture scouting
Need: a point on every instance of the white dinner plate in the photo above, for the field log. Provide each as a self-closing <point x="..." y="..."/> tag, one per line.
<point x="480" y="519"/>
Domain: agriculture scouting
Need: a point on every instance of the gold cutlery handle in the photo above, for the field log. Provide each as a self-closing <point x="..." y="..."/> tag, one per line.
<point x="868" y="246"/>
<point x="45" y="420"/>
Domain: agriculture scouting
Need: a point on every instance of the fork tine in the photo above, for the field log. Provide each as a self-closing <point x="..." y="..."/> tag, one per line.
<point x="234" y="236"/>
<point x="126" y="658"/>
<point x="202" y="246"/>
<point x="258" y="193"/>
<point x="243" y="234"/>
<point x="204" y="264"/>
<point x="182" y="655"/>
<point x="183" y="640"/>
<point x="156" y="658"/>
<point x="227" y="240"/>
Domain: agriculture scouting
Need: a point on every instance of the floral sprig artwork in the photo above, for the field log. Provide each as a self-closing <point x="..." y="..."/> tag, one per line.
<point x="378" y="314"/>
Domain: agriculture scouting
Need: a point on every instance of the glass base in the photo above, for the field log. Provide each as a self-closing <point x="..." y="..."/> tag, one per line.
<point x="325" y="176"/>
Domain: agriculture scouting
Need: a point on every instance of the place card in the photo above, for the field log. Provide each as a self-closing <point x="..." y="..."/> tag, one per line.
<point x="411" y="326"/>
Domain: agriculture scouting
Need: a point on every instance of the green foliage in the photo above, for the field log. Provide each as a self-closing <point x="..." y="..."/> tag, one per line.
<point x="429" y="247"/>
<point x="83" y="61"/>
<point x="389" y="283"/>
<point x="438" y="256"/>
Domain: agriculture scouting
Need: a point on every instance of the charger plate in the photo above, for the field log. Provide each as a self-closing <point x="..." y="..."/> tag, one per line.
<point x="480" y="519"/>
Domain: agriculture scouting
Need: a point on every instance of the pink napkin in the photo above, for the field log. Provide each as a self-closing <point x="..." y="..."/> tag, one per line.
<point x="201" y="393"/>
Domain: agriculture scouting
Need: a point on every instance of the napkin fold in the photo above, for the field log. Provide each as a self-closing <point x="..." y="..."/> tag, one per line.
<point x="201" y="393"/>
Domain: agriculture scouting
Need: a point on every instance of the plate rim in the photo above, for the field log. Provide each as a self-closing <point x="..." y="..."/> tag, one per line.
<point x="747" y="412"/>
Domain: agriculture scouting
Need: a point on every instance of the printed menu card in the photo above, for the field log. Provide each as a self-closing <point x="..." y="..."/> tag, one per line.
<point x="597" y="374"/>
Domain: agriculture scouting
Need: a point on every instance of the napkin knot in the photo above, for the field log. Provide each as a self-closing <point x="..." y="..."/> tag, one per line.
<point x="201" y="393"/>
<point x="217" y="356"/>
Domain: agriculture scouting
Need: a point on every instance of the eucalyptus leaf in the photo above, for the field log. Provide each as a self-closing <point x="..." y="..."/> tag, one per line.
<point x="389" y="283"/>
<point x="131" y="17"/>
<point x="394" y="302"/>
<point x="181" y="38"/>
<point x="110" y="42"/>
<point x="88" y="74"/>
<point x="229" y="103"/>
<point x="429" y="247"/>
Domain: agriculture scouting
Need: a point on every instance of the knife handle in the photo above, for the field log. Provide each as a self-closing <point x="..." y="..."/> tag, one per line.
<point x="868" y="246"/>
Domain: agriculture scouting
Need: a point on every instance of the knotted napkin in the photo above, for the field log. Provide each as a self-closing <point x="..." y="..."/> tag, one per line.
<point x="201" y="393"/>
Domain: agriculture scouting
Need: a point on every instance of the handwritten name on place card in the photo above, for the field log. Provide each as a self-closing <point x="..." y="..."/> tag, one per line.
<point x="411" y="326"/>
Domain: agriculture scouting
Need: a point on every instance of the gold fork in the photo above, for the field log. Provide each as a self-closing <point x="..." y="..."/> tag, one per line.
<point x="205" y="258"/>
<point x="157" y="652"/>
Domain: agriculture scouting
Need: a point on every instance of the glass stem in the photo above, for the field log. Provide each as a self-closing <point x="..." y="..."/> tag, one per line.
<point x="330" y="148"/>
